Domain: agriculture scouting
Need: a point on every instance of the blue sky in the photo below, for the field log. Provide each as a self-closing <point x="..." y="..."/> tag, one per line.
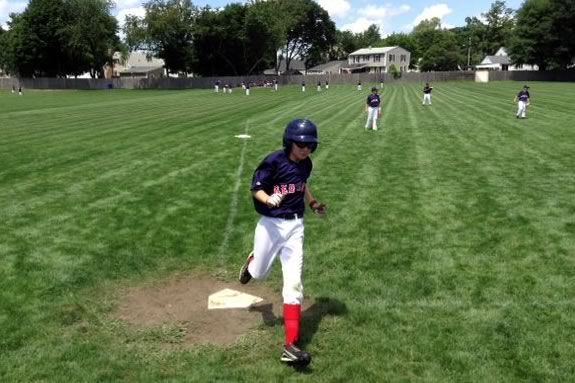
<point x="355" y="15"/>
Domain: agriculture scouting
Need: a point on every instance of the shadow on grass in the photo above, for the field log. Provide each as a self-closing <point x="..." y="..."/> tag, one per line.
<point x="310" y="318"/>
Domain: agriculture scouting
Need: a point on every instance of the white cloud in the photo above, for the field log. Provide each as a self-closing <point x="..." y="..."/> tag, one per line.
<point x="437" y="10"/>
<point x="335" y="8"/>
<point x="380" y="16"/>
<point x="137" y="11"/>
<point x="371" y="11"/>
<point x="359" y="25"/>
<point x="7" y="7"/>
<point x="124" y="4"/>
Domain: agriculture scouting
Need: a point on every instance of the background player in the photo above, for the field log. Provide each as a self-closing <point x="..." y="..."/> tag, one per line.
<point x="280" y="191"/>
<point x="427" y="94"/>
<point x="359" y="85"/>
<point x="373" y="109"/>
<point x="522" y="100"/>
<point x="303" y="86"/>
<point x="319" y="85"/>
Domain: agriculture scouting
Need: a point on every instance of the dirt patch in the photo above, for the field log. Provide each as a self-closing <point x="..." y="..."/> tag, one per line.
<point x="183" y="302"/>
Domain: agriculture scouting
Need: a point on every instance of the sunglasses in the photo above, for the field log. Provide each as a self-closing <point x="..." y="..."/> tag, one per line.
<point x="310" y="145"/>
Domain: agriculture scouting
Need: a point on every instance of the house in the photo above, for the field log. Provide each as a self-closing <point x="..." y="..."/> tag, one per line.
<point x="377" y="60"/>
<point x="138" y="64"/>
<point x="501" y="61"/>
<point x="295" y="67"/>
<point x="327" y="68"/>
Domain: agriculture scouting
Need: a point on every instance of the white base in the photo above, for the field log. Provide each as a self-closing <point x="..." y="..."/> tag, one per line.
<point x="231" y="299"/>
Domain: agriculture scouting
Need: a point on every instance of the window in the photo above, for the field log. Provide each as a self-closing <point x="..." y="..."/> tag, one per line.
<point x="391" y="57"/>
<point x="403" y="58"/>
<point x="377" y="58"/>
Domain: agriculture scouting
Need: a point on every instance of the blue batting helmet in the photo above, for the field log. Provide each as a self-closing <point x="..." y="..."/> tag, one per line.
<point x="300" y="130"/>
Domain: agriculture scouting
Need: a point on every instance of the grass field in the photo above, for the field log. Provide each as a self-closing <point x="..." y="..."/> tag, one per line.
<point x="449" y="246"/>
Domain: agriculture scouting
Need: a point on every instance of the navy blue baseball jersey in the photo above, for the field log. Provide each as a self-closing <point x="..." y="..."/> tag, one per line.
<point x="373" y="100"/>
<point x="523" y="95"/>
<point x="278" y="174"/>
<point x="427" y="89"/>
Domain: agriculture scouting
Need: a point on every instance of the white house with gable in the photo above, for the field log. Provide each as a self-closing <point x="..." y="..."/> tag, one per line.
<point x="501" y="61"/>
<point x="377" y="60"/>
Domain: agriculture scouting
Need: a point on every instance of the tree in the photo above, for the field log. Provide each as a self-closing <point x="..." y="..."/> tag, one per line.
<point x="369" y="37"/>
<point x="309" y="26"/>
<point x="437" y="47"/>
<point x="93" y="35"/>
<point x="533" y="41"/>
<point x="166" y="32"/>
<point x="499" y="26"/>
<point x="233" y="41"/>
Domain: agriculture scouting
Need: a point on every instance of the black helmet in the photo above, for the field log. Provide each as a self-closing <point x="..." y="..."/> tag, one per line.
<point x="300" y="130"/>
<point x="374" y="89"/>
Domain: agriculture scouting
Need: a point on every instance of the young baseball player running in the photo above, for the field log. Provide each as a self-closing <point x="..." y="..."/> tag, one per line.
<point x="522" y="100"/>
<point x="280" y="191"/>
<point x="427" y="94"/>
<point x="373" y="109"/>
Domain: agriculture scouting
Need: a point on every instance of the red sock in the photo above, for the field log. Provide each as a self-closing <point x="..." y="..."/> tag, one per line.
<point x="292" y="314"/>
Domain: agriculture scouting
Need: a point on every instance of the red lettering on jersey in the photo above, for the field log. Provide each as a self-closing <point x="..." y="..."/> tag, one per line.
<point x="291" y="188"/>
<point x="284" y="189"/>
<point x="276" y="189"/>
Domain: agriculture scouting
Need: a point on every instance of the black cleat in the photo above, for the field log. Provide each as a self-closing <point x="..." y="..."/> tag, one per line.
<point x="245" y="275"/>
<point x="295" y="357"/>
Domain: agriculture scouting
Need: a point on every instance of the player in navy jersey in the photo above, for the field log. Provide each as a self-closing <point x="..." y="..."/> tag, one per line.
<point x="427" y="94"/>
<point x="359" y="85"/>
<point x="319" y="86"/>
<point x="326" y="84"/>
<point x="522" y="100"/>
<point x="373" y="109"/>
<point x="217" y="86"/>
<point x="303" y="86"/>
<point x="280" y="191"/>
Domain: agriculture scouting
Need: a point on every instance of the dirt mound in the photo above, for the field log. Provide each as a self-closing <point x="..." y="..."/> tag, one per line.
<point x="183" y="302"/>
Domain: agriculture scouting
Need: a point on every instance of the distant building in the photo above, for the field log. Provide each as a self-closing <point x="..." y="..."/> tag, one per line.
<point x="327" y="68"/>
<point x="377" y="60"/>
<point x="501" y="61"/>
<point x="137" y="65"/>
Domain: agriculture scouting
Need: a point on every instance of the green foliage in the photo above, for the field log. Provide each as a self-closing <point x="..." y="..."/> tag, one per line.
<point x="61" y="37"/>
<point x="166" y="32"/>
<point x="499" y="26"/>
<point x="394" y="70"/>
<point x="234" y="41"/>
<point x="543" y="34"/>
<point x="437" y="47"/>
<point x="309" y="27"/>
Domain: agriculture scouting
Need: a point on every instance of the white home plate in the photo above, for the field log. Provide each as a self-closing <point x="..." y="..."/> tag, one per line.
<point x="231" y="299"/>
<point x="243" y="136"/>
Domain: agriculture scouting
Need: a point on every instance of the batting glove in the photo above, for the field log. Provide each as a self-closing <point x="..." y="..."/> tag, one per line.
<point x="319" y="209"/>
<point x="274" y="200"/>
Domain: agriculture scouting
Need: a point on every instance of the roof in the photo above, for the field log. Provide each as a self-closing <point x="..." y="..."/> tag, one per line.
<point x="328" y="65"/>
<point x="371" y="51"/>
<point x="496" y="60"/>
<point x="141" y="69"/>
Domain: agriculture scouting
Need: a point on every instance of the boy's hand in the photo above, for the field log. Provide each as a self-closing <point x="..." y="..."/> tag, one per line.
<point x="274" y="200"/>
<point x="319" y="209"/>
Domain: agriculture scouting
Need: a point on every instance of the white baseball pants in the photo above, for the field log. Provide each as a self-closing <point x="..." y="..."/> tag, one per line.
<point x="521" y="109"/>
<point x="427" y="98"/>
<point x="277" y="236"/>
<point x="372" y="114"/>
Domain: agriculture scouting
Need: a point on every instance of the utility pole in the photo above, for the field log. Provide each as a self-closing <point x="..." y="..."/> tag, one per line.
<point x="468" y="51"/>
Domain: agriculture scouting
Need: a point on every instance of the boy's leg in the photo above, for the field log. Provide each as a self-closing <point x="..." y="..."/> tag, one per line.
<point x="267" y="242"/>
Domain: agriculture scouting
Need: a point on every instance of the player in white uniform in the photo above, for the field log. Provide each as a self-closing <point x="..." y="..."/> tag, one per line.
<point x="280" y="192"/>
<point x="359" y="85"/>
